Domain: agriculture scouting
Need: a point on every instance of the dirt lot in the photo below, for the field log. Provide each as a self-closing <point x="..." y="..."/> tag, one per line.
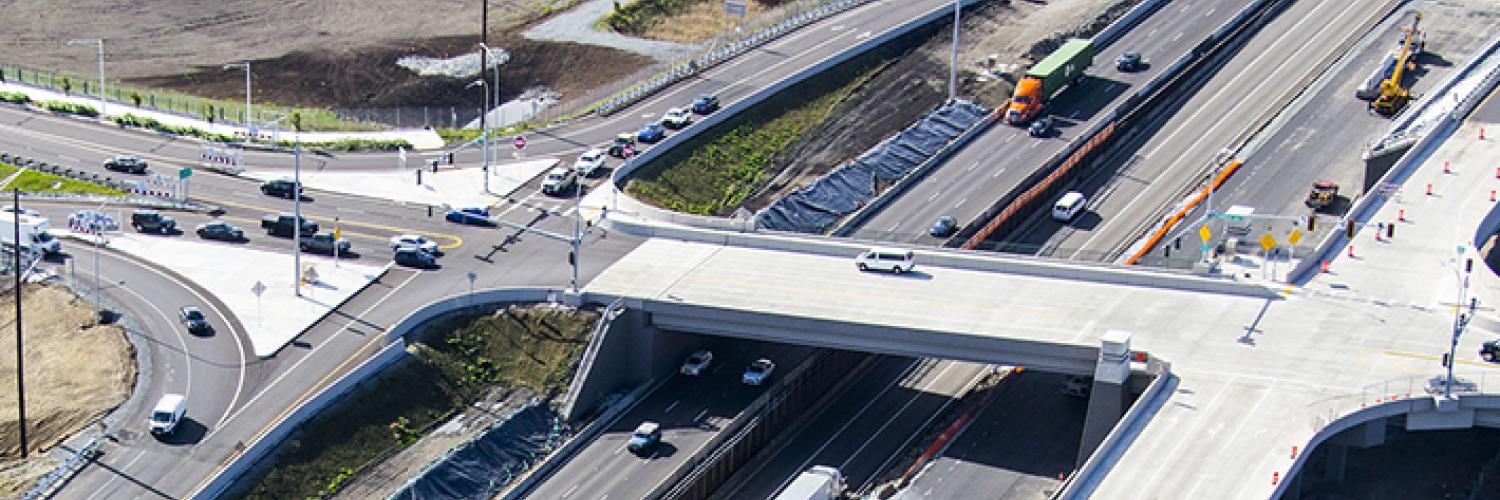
<point x="917" y="82"/>
<point x="703" y="21"/>
<point x="326" y="53"/>
<point x="72" y="376"/>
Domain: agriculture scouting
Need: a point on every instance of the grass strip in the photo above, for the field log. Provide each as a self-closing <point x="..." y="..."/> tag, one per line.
<point x="456" y="363"/>
<point x="32" y="181"/>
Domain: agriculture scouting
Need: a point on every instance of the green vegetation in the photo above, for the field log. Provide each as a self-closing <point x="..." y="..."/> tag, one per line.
<point x="32" y="181"/>
<point x="461" y="135"/>
<point x="351" y="145"/>
<point x="14" y="97"/>
<point x="716" y="177"/>
<point x="634" y="18"/>
<point x="130" y="120"/>
<point x="70" y="108"/>
<point x="457" y="363"/>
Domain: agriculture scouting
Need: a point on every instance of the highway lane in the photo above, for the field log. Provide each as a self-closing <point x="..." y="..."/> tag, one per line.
<point x="1324" y="139"/>
<point x="864" y="430"/>
<point x="1013" y="449"/>
<point x="1152" y="170"/>
<point x="691" y="411"/>
<point x="1000" y="158"/>
<point x="731" y="81"/>
<point x="214" y="371"/>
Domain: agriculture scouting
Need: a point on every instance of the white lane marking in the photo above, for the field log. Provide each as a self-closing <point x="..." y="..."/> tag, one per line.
<point x="186" y="354"/>
<point x="669" y="408"/>
<point x="851" y="420"/>
<point x="894" y="415"/>
<point x="310" y="355"/>
<point x="570" y="491"/>
<point x="1252" y="66"/>
<point x="238" y="345"/>
<point x="113" y="477"/>
<point x="961" y="202"/>
<point x="934" y="195"/>
<point x="1178" y="36"/>
<point x="997" y="173"/>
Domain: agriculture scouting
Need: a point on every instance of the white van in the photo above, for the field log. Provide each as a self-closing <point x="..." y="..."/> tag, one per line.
<point x="1068" y="206"/>
<point x="894" y="260"/>
<point x="168" y="412"/>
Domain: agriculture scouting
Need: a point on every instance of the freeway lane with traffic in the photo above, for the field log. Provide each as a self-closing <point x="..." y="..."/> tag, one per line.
<point x="1003" y="156"/>
<point x="1132" y="190"/>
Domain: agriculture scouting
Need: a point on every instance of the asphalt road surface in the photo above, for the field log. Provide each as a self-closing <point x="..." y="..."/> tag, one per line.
<point x="691" y="411"/>
<point x="1013" y="449"/>
<point x="866" y="429"/>
<point x="1131" y="188"/>
<point x="1000" y="158"/>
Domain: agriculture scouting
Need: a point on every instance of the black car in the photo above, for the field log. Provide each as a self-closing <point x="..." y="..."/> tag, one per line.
<point x="411" y="257"/>
<point x="706" y="104"/>
<point x="194" y="320"/>
<point x="129" y="164"/>
<point x="282" y="188"/>
<point x="1129" y="61"/>
<point x="220" y="230"/>
<point x="944" y="226"/>
<point x="151" y="221"/>
<point x="1041" y="127"/>
<point x="1490" y="350"/>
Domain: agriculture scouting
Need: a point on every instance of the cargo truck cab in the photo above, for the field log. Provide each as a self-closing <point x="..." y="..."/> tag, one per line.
<point x="1044" y="80"/>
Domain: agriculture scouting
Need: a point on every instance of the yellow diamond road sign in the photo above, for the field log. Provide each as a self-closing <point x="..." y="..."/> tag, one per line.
<point x="1204" y="233"/>
<point x="1295" y="237"/>
<point x="1267" y="242"/>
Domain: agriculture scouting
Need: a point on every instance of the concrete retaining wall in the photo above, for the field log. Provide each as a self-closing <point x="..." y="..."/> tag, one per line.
<point x="263" y="444"/>
<point x="1082" y="482"/>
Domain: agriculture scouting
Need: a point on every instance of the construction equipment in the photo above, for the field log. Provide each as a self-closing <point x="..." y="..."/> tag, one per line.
<point x="1393" y="96"/>
<point x="1322" y="194"/>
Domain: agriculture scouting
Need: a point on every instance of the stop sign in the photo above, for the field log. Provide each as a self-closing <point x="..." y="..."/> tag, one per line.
<point x="520" y="142"/>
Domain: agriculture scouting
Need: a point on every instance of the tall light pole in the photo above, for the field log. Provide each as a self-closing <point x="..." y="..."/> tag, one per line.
<point x="953" y="65"/>
<point x="1460" y="320"/>
<point x="100" y="42"/>
<point x="249" y="123"/>
<point x="297" y="203"/>
<point x="484" y="131"/>
<point x="20" y="363"/>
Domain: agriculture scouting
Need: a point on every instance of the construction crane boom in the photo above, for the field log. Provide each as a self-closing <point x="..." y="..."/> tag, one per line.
<point x="1393" y="96"/>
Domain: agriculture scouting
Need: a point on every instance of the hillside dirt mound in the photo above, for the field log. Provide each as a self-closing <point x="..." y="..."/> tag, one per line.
<point x="73" y="376"/>
<point x="916" y="82"/>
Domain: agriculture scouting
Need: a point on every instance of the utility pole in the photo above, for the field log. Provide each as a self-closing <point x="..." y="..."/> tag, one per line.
<point x="100" y="43"/>
<point x="20" y="357"/>
<point x="953" y="65"/>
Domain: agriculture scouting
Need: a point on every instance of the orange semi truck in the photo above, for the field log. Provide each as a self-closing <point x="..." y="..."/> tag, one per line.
<point x="1064" y="66"/>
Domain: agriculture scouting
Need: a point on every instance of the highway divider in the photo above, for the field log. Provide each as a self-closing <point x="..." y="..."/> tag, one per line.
<point x="1047" y="182"/>
<point x="623" y="203"/>
<point x="1165" y="226"/>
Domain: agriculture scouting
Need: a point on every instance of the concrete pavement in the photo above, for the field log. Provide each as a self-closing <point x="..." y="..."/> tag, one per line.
<point x="273" y="317"/>
<point x="419" y="138"/>
<point x="449" y="187"/>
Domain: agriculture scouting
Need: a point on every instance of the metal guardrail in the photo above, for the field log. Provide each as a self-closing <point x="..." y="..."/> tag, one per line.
<point x="713" y="58"/>
<point x="64" y="471"/>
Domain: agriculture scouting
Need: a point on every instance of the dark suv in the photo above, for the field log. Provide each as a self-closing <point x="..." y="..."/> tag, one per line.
<point x="282" y="224"/>
<point x="281" y="188"/>
<point x="1490" y="350"/>
<point x="129" y="164"/>
<point x="151" y="221"/>
<point x="324" y="243"/>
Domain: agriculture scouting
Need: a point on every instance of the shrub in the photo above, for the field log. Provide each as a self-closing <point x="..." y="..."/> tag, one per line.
<point x="70" y="108"/>
<point x="14" y="97"/>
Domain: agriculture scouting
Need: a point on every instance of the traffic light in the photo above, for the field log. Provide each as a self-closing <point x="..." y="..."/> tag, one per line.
<point x="1446" y="360"/>
<point x="419" y="177"/>
<point x="572" y="259"/>
<point x="1349" y="231"/>
<point x="1469" y="265"/>
<point x="1312" y="223"/>
<point x="1390" y="230"/>
<point x="450" y="158"/>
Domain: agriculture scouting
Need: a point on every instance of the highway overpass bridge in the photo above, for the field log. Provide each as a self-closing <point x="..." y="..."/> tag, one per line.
<point x="1258" y="368"/>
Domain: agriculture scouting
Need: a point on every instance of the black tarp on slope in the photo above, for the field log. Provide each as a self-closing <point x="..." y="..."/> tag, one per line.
<point x="847" y="188"/>
<point x="483" y="466"/>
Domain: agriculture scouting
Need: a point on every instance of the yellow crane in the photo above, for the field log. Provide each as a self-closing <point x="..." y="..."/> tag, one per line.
<point x="1393" y="96"/>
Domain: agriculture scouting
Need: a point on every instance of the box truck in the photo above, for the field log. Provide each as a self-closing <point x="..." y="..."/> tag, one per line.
<point x="1044" y="80"/>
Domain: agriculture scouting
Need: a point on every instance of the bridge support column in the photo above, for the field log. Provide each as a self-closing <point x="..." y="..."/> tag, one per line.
<point x="1335" y="461"/>
<point x="1109" y="397"/>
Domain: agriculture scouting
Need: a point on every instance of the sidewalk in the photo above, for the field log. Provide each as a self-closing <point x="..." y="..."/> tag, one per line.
<point x="420" y="139"/>
<point x="230" y="272"/>
<point x="449" y="187"/>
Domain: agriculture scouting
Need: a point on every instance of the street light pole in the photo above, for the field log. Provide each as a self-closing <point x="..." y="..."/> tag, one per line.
<point x="577" y="230"/>
<point x="20" y="357"/>
<point x="1460" y="322"/>
<point x="249" y="123"/>
<point x="297" y="208"/>
<point x="100" y="43"/>
<point x="484" y="137"/>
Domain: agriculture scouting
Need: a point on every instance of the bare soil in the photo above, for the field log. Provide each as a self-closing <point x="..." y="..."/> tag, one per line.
<point x="73" y="376"/>
<point x="703" y="21"/>
<point x="324" y="53"/>
<point x="916" y="82"/>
